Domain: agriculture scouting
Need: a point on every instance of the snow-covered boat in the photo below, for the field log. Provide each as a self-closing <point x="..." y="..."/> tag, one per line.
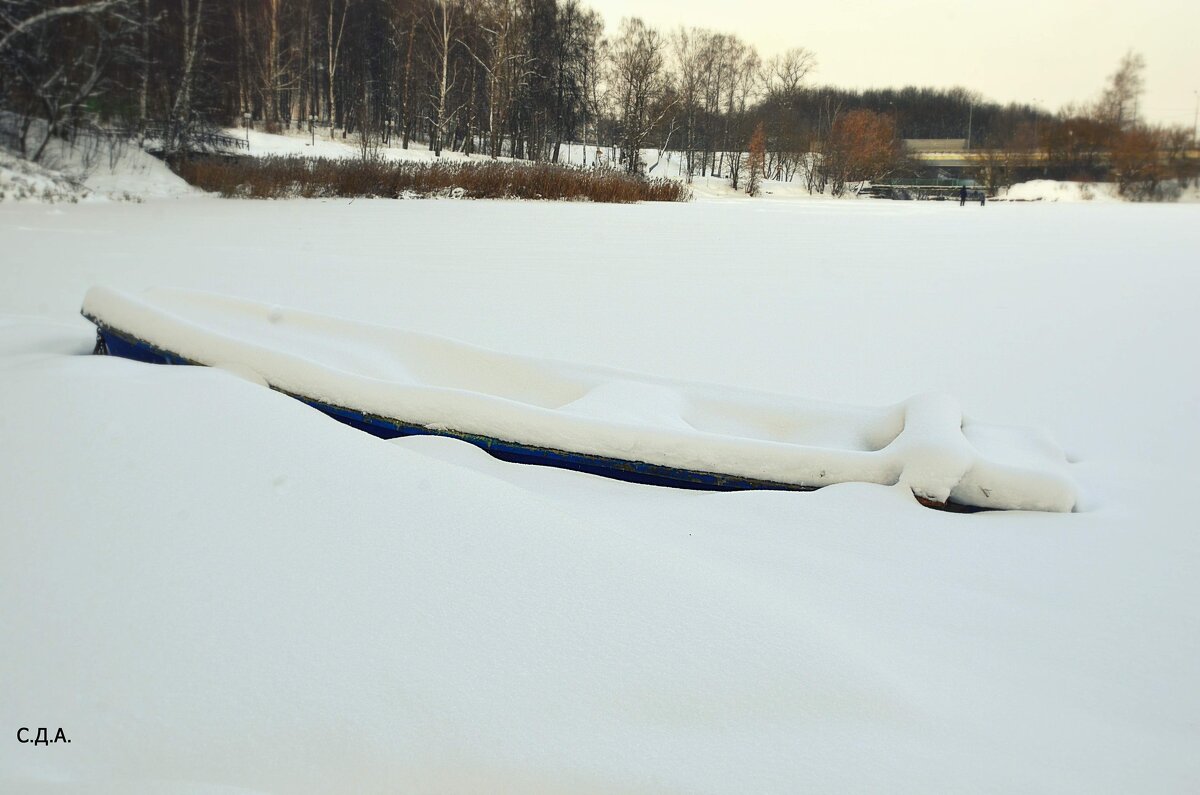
<point x="390" y="383"/>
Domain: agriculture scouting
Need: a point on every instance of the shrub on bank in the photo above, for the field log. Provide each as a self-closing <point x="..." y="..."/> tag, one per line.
<point x="280" y="177"/>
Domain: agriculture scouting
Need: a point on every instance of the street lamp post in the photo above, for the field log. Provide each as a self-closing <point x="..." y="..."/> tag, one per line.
<point x="1037" y="119"/>
<point x="312" y="125"/>
<point x="246" y="118"/>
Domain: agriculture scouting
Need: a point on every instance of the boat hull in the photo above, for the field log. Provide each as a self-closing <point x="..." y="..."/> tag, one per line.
<point x="116" y="343"/>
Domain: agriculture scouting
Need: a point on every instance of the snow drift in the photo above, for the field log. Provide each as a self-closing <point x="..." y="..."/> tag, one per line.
<point x="91" y="167"/>
<point x="23" y="180"/>
<point x="442" y="385"/>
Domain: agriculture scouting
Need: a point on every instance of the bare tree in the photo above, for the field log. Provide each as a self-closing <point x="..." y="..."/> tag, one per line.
<point x="688" y="48"/>
<point x="19" y="17"/>
<point x="333" y="47"/>
<point x="442" y="29"/>
<point x="1135" y="164"/>
<point x="577" y="32"/>
<point x="403" y="25"/>
<point x="502" y="62"/>
<point x="54" y="61"/>
<point x="638" y="86"/>
<point x="785" y="73"/>
<point x="862" y="146"/>
<point x="1118" y="102"/>
<point x="743" y="78"/>
<point x="757" y="161"/>
<point x="192" y="19"/>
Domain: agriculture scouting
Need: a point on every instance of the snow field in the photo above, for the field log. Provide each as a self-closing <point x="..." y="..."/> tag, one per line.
<point x="215" y="589"/>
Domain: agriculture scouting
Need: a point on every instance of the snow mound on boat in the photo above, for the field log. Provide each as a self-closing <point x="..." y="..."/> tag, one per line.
<point x="924" y="443"/>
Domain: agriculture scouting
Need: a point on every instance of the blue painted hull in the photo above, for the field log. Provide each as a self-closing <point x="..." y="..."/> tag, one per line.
<point x="115" y="343"/>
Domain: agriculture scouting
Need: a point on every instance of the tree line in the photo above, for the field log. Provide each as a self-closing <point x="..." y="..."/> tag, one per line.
<point x="516" y="78"/>
<point x="512" y="78"/>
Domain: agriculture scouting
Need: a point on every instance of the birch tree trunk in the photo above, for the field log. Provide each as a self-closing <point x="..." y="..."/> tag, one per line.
<point x="333" y="44"/>
<point x="182" y="107"/>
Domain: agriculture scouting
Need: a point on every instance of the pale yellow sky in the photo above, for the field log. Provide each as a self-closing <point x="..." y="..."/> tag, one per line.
<point x="1052" y="51"/>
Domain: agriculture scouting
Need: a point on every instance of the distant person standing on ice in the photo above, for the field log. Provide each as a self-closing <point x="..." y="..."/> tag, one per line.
<point x="982" y="198"/>
<point x="962" y="196"/>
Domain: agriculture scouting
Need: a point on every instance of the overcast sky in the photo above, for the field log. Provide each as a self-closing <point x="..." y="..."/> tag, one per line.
<point x="1052" y="51"/>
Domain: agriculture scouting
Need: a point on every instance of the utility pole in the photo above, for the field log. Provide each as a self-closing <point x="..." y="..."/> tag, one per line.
<point x="1195" y="118"/>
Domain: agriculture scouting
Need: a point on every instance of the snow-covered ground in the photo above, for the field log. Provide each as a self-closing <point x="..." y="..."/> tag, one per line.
<point x="23" y="180"/>
<point x="669" y="164"/>
<point x="212" y="588"/>
<point x="92" y="168"/>
<point x="1058" y="191"/>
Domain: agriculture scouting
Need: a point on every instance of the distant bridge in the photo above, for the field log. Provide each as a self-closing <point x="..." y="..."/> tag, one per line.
<point x="950" y="153"/>
<point x="969" y="159"/>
